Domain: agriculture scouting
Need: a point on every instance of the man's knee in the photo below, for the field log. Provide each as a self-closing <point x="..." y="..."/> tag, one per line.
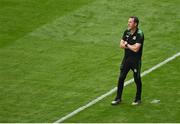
<point x="137" y="78"/>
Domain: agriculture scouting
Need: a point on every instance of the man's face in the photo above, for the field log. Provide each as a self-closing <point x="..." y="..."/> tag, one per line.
<point x="131" y="23"/>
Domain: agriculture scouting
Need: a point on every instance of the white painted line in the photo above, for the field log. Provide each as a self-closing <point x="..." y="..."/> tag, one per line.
<point x="114" y="89"/>
<point x="155" y="101"/>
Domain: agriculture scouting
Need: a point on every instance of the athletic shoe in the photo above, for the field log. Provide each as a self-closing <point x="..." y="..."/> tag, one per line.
<point x="115" y="102"/>
<point x="136" y="102"/>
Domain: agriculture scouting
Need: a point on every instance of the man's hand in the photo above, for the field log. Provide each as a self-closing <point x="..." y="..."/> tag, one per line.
<point x="125" y="45"/>
<point x="122" y="44"/>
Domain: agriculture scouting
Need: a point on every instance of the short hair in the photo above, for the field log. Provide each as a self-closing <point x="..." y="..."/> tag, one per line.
<point x="136" y="20"/>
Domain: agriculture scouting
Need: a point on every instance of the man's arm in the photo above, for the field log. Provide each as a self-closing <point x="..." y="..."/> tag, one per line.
<point x="134" y="48"/>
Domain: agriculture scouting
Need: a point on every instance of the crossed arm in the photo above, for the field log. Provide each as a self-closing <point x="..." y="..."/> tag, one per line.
<point x="135" y="47"/>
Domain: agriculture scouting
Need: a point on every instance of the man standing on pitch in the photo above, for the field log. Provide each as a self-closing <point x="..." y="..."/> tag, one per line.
<point x="132" y="43"/>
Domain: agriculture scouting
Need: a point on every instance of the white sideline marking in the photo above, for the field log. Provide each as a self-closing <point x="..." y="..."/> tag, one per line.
<point x="114" y="89"/>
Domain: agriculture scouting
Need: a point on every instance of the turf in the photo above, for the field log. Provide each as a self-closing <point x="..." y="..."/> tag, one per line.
<point x="159" y="87"/>
<point x="59" y="54"/>
<point x="18" y="17"/>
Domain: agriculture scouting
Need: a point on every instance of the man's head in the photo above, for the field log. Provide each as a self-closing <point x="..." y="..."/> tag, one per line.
<point x="133" y="22"/>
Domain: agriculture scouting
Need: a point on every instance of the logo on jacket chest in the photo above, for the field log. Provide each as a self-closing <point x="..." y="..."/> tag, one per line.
<point x="134" y="38"/>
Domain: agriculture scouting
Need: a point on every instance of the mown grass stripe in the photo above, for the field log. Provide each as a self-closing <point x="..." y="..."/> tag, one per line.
<point x="114" y="89"/>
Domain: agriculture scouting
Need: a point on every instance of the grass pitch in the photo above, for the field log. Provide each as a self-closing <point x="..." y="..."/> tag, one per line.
<point x="57" y="55"/>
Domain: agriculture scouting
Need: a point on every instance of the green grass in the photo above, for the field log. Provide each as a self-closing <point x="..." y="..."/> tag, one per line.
<point x="58" y="55"/>
<point x="19" y="17"/>
<point x="162" y="87"/>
